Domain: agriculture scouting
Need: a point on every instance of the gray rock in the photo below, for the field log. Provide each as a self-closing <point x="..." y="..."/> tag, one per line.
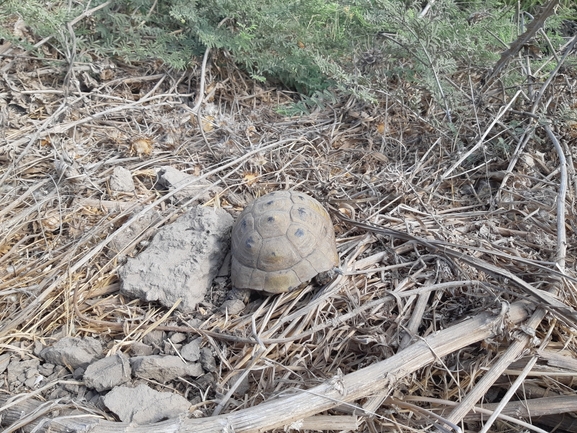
<point x="191" y="351"/>
<point x="163" y="368"/>
<point x="46" y="369"/>
<point x="232" y="306"/>
<point x="207" y="380"/>
<point x="178" y="337"/>
<point x="20" y="372"/>
<point x="38" y="346"/>
<point x="154" y="338"/>
<point x="58" y="393"/>
<point x="207" y="360"/>
<point x="243" y="387"/>
<point x="31" y="382"/>
<point x="58" y="373"/>
<point x="108" y="372"/>
<point x="181" y="261"/>
<point x="121" y="180"/>
<point x="140" y="349"/>
<point x="78" y="373"/>
<point x="170" y="348"/>
<point x="169" y="178"/>
<point x="142" y="405"/>
<point x="72" y="388"/>
<point x="73" y="352"/>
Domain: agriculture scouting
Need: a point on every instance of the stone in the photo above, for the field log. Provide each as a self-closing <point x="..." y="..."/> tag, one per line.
<point x="207" y="360"/>
<point x="78" y="373"/>
<point x="178" y="337"/>
<point x="107" y="373"/>
<point x="243" y="387"/>
<point x="143" y="405"/>
<point x="38" y="346"/>
<point x="232" y="306"/>
<point x="140" y="349"/>
<point x="46" y="369"/>
<point x="181" y="260"/>
<point x="154" y="338"/>
<point x="20" y="372"/>
<point x="170" y="179"/>
<point x="121" y="180"/>
<point x="73" y="352"/>
<point x="163" y="368"/>
<point x="31" y="382"/>
<point x="191" y="351"/>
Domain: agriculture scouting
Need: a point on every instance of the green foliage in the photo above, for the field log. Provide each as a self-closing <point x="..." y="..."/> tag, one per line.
<point x="44" y="21"/>
<point x="307" y="45"/>
<point x="279" y="40"/>
<point x="308" y="103"/>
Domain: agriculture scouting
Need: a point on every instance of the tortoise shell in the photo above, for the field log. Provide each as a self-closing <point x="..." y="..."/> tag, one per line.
<point x="281" y="240"/>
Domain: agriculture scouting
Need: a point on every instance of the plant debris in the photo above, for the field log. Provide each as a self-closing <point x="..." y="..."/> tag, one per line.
<point x="456" y="308"/>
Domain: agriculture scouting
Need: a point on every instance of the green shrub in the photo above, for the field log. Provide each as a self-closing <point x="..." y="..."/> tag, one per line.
<point x="307" y="45"/>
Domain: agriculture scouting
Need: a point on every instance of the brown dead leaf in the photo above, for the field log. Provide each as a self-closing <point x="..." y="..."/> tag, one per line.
<point x="141" y="146"/>
<point x="251" y="131"/>
<point x="250" y="178"/>
<point x="210" y="87"/>
<point x="107" y="74"/>
<point x="51" y="221"/>
<point x="572" y="127"/>
<point x="207" y="123"/>
<point x="347" y="210"/>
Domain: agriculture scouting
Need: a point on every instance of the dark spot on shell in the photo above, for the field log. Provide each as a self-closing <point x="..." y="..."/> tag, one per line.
<point x="270" y="219"/>
<point x="249" y="242"/>
<point x="299" y="233"/>
<point x="268" y="203"/>
<point x="302" y="211"/>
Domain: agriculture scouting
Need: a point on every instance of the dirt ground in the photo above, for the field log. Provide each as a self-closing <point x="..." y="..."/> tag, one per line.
<point x="456" y="240"/>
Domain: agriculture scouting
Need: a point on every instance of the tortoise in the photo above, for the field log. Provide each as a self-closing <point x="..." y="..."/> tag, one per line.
<point x="280" y="241"/>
